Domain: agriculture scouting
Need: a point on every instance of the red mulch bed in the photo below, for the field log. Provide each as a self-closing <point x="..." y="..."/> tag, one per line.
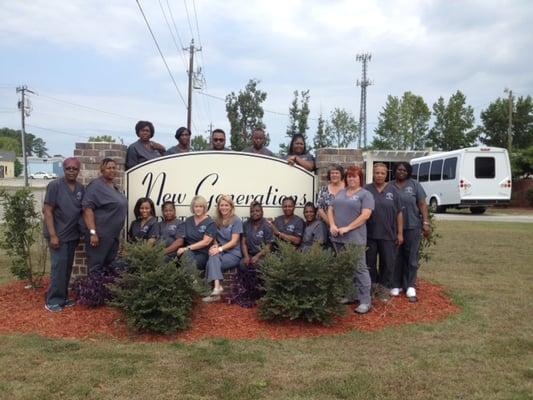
<point x="22" y="311"/>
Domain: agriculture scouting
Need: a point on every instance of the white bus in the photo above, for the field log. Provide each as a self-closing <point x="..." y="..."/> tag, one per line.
<point x="474" y="177"/>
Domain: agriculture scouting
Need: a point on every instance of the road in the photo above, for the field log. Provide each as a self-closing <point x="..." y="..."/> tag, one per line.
<point x="485" y="218"/>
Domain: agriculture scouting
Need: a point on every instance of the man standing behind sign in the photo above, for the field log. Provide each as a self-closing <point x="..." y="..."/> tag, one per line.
<point x="183" y="136"/>
<point x="218" y="140"/>
<point x="258" y="141"/>
<point x="62" y="211"/>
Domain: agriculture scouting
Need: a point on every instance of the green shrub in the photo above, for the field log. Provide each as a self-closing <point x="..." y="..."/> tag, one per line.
<point x="154" y="295"/>
<point x="529" y="197"/>
<point x="427" y="245"/>
<point x="306" y="285"/>
<point x="22" y="236"/>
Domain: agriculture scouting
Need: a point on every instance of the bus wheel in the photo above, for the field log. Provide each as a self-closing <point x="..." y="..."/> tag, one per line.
<point x="434" y="206"/>
<point x="478" y="210"/>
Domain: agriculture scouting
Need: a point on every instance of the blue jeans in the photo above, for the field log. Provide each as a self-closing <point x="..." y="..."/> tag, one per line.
<point x="62" y="260"/>
<point x="219" y="263"/>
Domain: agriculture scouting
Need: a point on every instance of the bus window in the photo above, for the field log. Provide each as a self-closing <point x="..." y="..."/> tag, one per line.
<point x="415" y="171"/>
<point x="450" y="165"/>
<point x="423" y="172"/>
<point x="485" y="167"/>
<point x="436" y="170"/>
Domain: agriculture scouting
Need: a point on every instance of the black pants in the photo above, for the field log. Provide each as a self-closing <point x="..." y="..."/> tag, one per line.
<point x="100" y="257"/>
<point x="386" y="249"/>
<point x="407" y="260"/>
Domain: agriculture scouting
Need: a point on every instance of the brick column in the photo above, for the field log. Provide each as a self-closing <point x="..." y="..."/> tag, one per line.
<point x="345" y="157"/>
<point x="91" y="155"/>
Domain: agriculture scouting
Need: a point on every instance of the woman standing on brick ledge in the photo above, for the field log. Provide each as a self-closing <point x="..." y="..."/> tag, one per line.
<point x="104" y="212"/>
<point x="143" y="149"/>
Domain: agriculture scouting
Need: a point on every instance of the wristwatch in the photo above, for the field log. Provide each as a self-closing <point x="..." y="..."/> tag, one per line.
<point x="92" y="231"/>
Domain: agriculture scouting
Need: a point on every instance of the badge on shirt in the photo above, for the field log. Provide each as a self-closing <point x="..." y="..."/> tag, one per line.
<point x="202" y="228"/>
<point x="78" y="196"/>
<point x="355" y="197"/>
<point x="290" y="228"/>
<point x="259" y="234"/>
<point x="409" y="189"/>
<point x="389" y="196"/>
<point x="172" y="228"/>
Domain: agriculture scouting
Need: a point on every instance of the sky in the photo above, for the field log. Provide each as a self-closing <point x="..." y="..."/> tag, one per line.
<point x="95" y="69"/>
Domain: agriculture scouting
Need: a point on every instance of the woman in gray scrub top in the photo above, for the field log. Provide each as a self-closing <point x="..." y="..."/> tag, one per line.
<point x="200" y="231"/>
<point x="416" y="223"/>
<point x="347" y="215"/>
<point x="145" y="226"/>
<point x="298" y="154"/>
<point x="288" y="227"/>
<point x="315" y="230"/>
<point x="104" y="212"/>
<point x="171" y="230"/>
<point x="225" y="253"/>
<point x="143" y="149"/>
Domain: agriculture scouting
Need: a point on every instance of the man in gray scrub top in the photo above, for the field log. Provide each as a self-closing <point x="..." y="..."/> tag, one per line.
<point x="218" y="140"/>
<point x="258" y="140"/>
<point x="62" y="211"/>
<point x="104" y="213"/>
<point x="183" y="136"/>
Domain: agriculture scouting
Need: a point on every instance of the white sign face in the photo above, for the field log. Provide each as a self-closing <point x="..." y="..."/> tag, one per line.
<point x="244" y="176"/>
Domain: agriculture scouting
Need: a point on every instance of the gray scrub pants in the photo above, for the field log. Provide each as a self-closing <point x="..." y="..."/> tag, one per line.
<point x="386" y="249"/>
<point x="220" y="263"/>
<point x="100" y="257"/>
<point x="407" y="260"/>
<point x="61" y="269"/>
<point x="361" y="278"/>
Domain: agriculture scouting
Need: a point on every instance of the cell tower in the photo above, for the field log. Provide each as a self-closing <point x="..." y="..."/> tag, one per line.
<point x="364" y="82"/>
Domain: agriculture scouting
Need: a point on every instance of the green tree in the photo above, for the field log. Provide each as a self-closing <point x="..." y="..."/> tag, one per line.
<point x="454" y="123"/>
<point x="402" y="124"/>
<point x="10" y="144"/>
<point x="322" y="139"/>
<point x="18" y="167"/>
<point x="522" y="163"/>
<point x="245" y="113"/>
<point x="199" y="143"/>
<point x="34" y="146"/>
<point x="298" y="117"/>
<point x="102" y="138"/>
<point x="342" y="129"/>
<point x="495" y="121"/>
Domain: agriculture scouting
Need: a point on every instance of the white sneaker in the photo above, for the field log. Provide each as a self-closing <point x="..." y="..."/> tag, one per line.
<point x="217" y="291"/>
<point x="395" y="292"/>
<point x="363" y="308"/>
<point x="411" y="292"/>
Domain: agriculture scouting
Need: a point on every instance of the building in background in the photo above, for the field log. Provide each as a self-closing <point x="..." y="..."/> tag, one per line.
<point x="7" y="164"/>
<point x="52" y="165"/>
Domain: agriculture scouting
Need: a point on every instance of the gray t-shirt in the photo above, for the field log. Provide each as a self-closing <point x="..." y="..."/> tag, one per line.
<point x="263" y="150"/>
<point x="137" y="153"/>
<point x="109" y="206"/>
<point x="306" y="156"/>
<point x="177" y="150"/>
<point x="346" y="210"/>
<point x="294" y="226"/>
<point x="411" y="194"/>
<point x="257" y="237"/>
<point x="316" y="231"/>
<point x="224" y="234"/>
<point x="195" y="233"/>
<point x="382" y="224"/>
<point x="170" y="231"/>
<point x="67" y="209"/>
<point x="150" y="230"/>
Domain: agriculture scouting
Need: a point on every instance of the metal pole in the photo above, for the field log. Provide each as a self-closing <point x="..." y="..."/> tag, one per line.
<point x="191" y="69"/>
<point x="22" y="106"/>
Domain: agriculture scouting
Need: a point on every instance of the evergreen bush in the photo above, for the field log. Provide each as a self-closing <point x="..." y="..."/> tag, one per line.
<point x="306" y="285"/>
<point x="154" y="295"/>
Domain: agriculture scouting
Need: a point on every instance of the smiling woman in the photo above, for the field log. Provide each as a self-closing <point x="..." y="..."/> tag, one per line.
<point x="143" y="149"/>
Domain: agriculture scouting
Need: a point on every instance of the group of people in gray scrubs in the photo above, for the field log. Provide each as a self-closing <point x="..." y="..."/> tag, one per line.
<point x="97" y="211"/>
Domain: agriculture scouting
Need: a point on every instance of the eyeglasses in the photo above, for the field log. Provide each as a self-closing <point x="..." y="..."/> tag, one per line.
<point x="218" y="140"/>
<point x="71" y="169"/>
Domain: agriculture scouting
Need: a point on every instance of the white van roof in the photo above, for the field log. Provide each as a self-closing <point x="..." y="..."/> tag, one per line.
<point x="479" y="149"/>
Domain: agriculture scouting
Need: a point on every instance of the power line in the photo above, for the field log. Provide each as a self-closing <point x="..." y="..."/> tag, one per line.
<point x="188" y="18"/>
<point x="56" y="131"/>
<point x="178" y="49"/>
<point x="161" y="54"/>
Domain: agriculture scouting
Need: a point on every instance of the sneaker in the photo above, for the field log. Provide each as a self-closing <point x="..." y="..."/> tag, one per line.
<point x="69" y="303"/>
<point x="395" y="291"/>
<point x="411" y="292"/>
<point x="217" y="291"/>
<point x="363" y="308"/>
<point x="345" y="300"/>
<point x="53" y="308"/>
<point x="211" y="299"/>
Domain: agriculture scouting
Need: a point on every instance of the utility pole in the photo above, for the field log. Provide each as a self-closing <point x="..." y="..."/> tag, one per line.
<point x="510" y="125"/>
<point x="364" y="82"/>
<point x="190" y="74"/>
<point x="24" y="112"/>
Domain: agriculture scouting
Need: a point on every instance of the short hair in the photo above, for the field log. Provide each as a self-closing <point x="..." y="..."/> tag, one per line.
<point x="168" y="203"/>
<point x="294" y="138"/>
<point x="258" y="129"/>
<point x="335" y="167"/>
<point x="180" y="131"/>
<point x="218" y="130"/>
<point x="354" y="170"/>
<point x="380" y="165"/>
<point x="407" y="166"/>
<point x="310" y="204"/>
<point x="290" y="198"/>
<point x="200" y="200"/>
<point x="106" y="161"/>
<point x="142" y="124"/>
<point x="227" y="198"/>
<point x="254" y="204"/>
<point x="138" y="204"/>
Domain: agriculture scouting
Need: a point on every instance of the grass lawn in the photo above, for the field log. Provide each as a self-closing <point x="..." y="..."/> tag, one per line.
<point x="485" y="352"/>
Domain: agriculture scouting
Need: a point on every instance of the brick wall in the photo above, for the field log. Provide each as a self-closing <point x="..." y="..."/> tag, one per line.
<point x="90" y="156"/>
<point x="345" y="157"/>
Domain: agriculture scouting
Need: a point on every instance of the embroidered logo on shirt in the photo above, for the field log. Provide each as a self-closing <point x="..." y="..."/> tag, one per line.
<point x="409" y="189"/>
<point x="202" y="228"/>
<point x="78" y="196"/>
<point x="172" y="228"/>
<point x="260" y="234"/>
<point x="290" y="228"/>
<point x="355" y="197"/>
<point x="389" y="196"/>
